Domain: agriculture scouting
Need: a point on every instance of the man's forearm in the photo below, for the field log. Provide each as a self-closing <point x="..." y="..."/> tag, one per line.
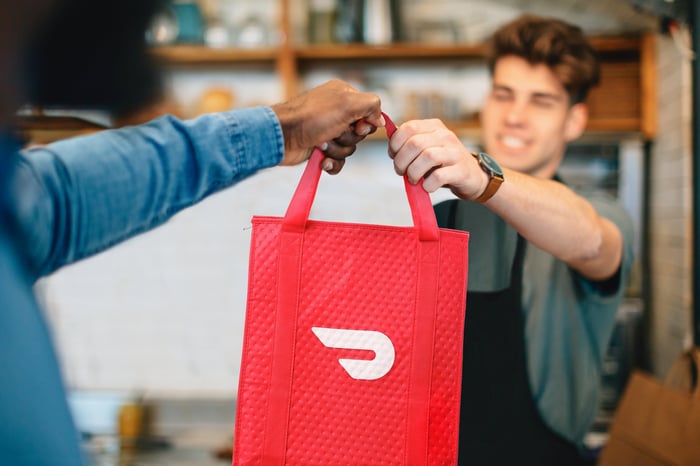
<point x="556" y="219"/>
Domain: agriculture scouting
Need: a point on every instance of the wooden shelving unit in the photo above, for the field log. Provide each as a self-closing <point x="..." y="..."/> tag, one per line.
<point x="621" y="104"/>
<point x="625" y="101"/>
<point x="195" y="55"/>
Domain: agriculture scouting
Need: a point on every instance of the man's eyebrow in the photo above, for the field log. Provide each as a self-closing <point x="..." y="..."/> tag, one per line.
<point x="502" y="87"/>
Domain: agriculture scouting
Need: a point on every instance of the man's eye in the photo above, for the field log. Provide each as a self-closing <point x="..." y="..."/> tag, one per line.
<point x="501" y="96"/>
<point x="543" y="103"/>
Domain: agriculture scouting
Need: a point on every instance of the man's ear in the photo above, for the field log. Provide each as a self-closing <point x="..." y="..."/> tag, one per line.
<point x="576" y="121"/>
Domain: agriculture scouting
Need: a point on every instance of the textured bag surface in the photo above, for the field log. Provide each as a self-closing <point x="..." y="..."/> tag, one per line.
<point x="658" y="424"/>
<point x="353" y="339"/>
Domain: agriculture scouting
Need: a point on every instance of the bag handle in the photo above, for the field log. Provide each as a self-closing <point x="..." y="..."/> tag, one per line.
<point x="300" y="206"/>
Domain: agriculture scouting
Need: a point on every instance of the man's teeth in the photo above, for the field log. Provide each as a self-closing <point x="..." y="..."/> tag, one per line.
<point x="514" y="143"/>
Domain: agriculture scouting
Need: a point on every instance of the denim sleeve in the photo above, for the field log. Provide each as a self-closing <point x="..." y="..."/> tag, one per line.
<point x="80" y="196"/>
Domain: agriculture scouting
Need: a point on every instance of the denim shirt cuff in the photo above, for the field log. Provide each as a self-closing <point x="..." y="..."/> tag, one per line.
<point x="256" y="132"/>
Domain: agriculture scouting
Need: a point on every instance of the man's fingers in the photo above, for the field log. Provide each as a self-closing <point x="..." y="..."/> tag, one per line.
<point x="363" y="128"/>
<point x="338" y="151"/>
<point x="332" y="166"/>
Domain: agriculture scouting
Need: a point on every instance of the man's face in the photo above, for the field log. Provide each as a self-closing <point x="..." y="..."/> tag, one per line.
<point x="527" y="120"/>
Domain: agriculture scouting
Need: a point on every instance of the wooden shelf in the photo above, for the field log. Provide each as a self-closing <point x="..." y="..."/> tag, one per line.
<point x="395" y="51"/>
<point x="202" y="55"/>
<point x="199" y="54"/>
<point x="617" y="44"/>
<point x="618" y="125"/>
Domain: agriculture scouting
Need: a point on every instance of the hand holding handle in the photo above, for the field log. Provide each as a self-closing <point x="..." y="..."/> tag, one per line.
<point x="300" y="206"/>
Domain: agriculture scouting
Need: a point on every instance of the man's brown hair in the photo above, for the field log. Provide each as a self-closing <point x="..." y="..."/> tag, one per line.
<point x="555" y="43"/>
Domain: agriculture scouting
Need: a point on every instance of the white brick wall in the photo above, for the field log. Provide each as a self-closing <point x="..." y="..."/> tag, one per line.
<point x="670" y="210"/>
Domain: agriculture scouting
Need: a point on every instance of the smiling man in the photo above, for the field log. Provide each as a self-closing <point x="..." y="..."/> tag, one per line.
<point x="547" y="267"/>
<point x="527" y="122"/>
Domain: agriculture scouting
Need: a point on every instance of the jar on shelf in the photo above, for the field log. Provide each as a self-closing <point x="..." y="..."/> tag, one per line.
<point x="349" y="21"/>
<point x="322" y="20"/>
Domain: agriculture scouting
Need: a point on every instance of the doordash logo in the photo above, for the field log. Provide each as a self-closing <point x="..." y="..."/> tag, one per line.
<point x="360" y="369"/>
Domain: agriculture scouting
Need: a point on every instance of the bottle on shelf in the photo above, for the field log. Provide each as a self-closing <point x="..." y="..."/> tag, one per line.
<point x="349" y="25"/>
<point x="382" y="21"/>
<point x="322" y="17"/>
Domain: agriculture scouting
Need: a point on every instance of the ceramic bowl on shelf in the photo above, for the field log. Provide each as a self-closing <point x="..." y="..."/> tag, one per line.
<point x="163" y="29"/>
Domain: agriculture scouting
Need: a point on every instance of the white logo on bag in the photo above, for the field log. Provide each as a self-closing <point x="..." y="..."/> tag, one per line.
<point x="360" y="369"/>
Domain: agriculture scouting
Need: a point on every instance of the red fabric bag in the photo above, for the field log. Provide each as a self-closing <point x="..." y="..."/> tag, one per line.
<point x="352" y="352"/>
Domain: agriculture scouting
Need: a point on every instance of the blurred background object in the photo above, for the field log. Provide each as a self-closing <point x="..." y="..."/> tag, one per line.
<point x="163" y="29"/>
<point x="215" y="100"/>
<point x="190" y="21"/>
<point x="349" y="23"/>
<point x="252" y="32"/>
<point x="382" y="21"/>
<point x="322" y="21"/>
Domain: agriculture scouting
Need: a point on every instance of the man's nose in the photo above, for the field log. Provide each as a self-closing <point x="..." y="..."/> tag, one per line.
<point x="516" y="113"/>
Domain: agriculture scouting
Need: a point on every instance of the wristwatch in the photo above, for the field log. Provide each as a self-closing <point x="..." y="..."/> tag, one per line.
<point x="491" y="167"/>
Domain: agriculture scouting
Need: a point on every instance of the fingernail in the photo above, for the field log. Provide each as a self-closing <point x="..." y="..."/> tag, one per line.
<point x="327" y="165"/>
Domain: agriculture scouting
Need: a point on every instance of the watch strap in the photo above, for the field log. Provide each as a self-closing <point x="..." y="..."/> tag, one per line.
<point x="491" y="188"/>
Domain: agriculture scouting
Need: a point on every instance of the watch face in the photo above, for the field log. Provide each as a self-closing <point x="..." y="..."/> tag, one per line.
<point x="491" y="164"/>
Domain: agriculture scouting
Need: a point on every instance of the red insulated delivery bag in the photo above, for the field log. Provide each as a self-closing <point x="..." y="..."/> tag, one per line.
<point x="352" y="351"/>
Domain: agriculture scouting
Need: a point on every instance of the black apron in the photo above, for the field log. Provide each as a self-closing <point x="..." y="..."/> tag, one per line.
<point x="499" y="421"/>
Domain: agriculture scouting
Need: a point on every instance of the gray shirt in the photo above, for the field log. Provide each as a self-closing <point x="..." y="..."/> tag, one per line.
<point x="568" y="319"/>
